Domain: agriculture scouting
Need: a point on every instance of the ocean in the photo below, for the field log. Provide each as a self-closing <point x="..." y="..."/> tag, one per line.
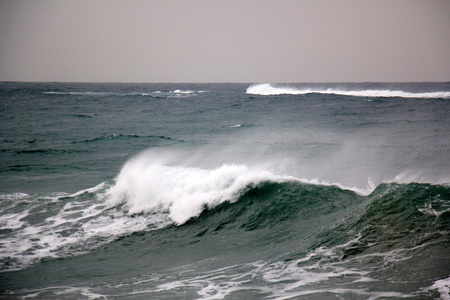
<point x="224" y="191"/>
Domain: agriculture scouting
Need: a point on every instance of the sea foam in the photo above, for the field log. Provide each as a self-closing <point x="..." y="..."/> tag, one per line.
<point x="145" y="186"/>
<point x="268" y="89"/>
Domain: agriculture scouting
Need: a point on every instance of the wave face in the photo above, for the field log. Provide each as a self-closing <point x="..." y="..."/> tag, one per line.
<point x="223" y="194"/>
<point x="270" y="90"/>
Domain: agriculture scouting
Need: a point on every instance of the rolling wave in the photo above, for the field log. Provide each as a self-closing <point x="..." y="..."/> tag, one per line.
<point x="268" y="89"/>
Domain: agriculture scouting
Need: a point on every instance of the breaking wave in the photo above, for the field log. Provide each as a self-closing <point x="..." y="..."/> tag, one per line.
<point x="268" y="89"/>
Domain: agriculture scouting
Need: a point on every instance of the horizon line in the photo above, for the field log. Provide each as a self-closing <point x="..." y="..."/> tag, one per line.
<point x="217" y="82"/>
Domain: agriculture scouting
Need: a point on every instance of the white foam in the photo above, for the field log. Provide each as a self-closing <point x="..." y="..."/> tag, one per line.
<point x="183" y="92"/>
<point x="68" y="291"/>
<point x="267" y="89"/>
<point x="145" y="186"/>
<point x="14" y="196"/>
<point x="12" y="221"/>
<point x="315" y="274"/>
<point x="436" y="207"/>
<point x="442" y="286"/>
<point x="79" y="225"/>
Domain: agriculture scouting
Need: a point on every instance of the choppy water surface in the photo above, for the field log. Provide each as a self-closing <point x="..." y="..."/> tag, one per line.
<point x="225" y="191"/>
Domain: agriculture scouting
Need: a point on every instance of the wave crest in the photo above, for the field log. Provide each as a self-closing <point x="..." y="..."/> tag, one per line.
<point x="153" y="183"/>
<point x="183" y="193"/>
<point x="268" y="90"/>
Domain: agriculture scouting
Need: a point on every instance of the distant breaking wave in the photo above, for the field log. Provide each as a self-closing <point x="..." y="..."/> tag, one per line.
<point x="156" y="94"/>
<point x="266" y="89"/>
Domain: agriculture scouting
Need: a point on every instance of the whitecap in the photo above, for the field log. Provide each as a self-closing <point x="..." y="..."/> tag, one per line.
<point x="268" y="89"/>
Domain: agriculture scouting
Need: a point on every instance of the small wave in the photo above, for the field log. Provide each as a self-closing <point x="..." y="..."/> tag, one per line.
<point x="48" y="151"/>
<point x="83" y="116"/>
<point x="122" y="137"/>
<point x="155" y="94"/>
<point x="267" y="90"/>
<point x="183" y="92"/>
<point x="76" y="93"/>
<point x="87" y="93"/>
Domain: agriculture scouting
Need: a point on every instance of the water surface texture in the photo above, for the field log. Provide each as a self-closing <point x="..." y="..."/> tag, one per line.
<point x="224" y="191"/>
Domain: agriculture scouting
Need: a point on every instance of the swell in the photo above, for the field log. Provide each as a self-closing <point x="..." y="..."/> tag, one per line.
<point x="396" y="212"/>
<point x="49" y="151"/>
<point x="121" y="137"/>
<point x="385" y="219"/>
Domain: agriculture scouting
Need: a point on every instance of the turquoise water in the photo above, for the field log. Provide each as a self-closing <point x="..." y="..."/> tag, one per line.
<point x="224" y="191"/>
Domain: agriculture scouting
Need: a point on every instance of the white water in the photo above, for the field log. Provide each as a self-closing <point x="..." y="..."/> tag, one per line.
<point x="82" y="222"/>
<point x="314" y="274"/>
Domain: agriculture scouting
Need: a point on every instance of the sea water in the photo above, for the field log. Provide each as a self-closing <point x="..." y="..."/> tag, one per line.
<point x="224" y="191"/>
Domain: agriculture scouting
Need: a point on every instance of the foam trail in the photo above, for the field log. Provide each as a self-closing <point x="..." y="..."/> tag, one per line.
<point x="267" y="89"/>
<point x="76" y="223"/>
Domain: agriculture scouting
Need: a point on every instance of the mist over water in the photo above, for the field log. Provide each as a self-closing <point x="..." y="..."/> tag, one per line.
<point x="224" y="190"/>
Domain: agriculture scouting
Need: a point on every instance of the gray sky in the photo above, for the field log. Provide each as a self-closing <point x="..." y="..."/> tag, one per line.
<point x="225" y="40"/>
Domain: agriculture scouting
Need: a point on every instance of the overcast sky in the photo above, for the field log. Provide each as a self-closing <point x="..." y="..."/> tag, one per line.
<point x="225" y="40"/>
